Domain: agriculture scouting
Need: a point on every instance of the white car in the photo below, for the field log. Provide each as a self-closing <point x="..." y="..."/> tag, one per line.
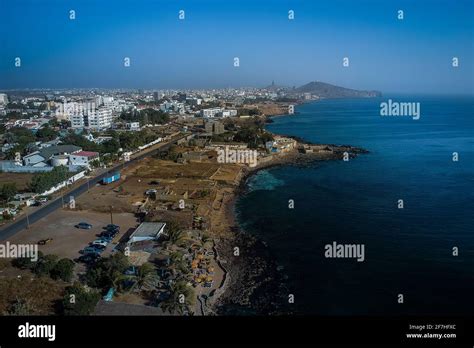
<point x="99" y="242"/>
<point x="150" y="192"/>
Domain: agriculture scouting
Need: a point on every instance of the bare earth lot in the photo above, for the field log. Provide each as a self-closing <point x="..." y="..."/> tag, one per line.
<point x="20" y="179"/>
<point x="67" y="239"/>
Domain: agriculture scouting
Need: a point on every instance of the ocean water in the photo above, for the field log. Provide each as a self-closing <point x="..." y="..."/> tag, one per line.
<point x="408" y="251"/>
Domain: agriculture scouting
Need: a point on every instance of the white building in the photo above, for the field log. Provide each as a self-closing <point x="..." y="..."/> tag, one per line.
<point x="229" y="113"/>
<point x="108" y="101"/>
<point x="133" y="126"/>
<point x="3" y="99"/>
<point x="97" y="119"/>
<point x="212" y="112"/>
<point x="67" y="110"/>
<point x="77" y="121"/>
<point x="100" y="119"/>
<point x="83" y="158"/>
<point x="147" y="231"/>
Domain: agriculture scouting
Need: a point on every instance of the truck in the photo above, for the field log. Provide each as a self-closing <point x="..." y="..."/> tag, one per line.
<point x="110" y="178"/>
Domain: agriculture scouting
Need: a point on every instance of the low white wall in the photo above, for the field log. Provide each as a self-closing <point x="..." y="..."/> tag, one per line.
<point x="69" y="181"/>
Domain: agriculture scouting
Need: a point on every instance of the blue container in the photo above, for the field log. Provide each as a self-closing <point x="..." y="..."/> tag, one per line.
<point x="111" y="178"/>
<point x="110" y="294"/>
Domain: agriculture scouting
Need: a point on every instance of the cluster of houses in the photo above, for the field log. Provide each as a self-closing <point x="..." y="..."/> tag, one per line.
<point x="48" y="157"/>
<point x="32" y="123"/>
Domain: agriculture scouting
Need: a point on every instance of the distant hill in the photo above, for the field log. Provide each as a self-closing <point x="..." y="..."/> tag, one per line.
<point x="326" y="90"/>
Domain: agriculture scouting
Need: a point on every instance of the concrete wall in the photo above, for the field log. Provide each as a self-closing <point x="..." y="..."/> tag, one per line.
<point x="69" y="181"/>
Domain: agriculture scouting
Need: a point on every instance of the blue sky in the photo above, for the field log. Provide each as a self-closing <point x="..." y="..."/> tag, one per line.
<point x="409" y="56"/>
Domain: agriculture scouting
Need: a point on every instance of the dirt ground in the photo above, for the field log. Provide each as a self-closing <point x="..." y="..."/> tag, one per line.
<point x="20" y="179"/>
<point x="195" y="182"/>
<point x="124" y="197"/>
<point x="67" y="239"/>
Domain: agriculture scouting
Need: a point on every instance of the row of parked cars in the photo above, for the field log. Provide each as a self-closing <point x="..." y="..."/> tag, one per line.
<point x="91" y="253"/>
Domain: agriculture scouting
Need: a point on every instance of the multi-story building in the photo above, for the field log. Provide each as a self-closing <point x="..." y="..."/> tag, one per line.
<point x="77" y="121"/>
<point x="228" y="113"/>
<point x="214" y="127"/>
<point x="212" y="112"/>
<point x="108" y="101"/>
<point x="100" y="118"/>
<point x="3" y="99"/>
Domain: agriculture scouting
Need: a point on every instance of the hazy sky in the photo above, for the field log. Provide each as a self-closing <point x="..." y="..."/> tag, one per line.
<point x="387" y="54"/>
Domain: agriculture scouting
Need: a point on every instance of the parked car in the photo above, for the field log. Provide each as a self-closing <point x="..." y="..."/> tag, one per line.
<point x="84" y="225"/>
<point x="88" y="258"/>
<point x="37" y="204"/>
<point x="99" y="247"/>
<point x="99" y="242"/>
<point x="112" y="227"/>
<point x="42" y="199"/>
<point x="45" y="241"/>
<point x="106" y="239"/>
<point x="92" y="250"/>
<point x="108" y="234"/>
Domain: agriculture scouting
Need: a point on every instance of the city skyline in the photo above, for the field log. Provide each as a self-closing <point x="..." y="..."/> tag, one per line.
<point x="413" y="55"/>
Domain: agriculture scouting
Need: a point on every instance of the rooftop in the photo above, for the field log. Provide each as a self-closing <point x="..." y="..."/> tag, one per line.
<point x="120" y="308"/>
<point x="148" y="229"/>
<point x="86" y="153"/>
<point x="49" y="151"/>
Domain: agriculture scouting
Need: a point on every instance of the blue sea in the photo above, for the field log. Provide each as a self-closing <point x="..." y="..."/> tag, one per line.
<point x="408" y="251"/>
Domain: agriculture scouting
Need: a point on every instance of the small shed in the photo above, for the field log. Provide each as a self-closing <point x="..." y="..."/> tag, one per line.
<point x="147" y="231"/>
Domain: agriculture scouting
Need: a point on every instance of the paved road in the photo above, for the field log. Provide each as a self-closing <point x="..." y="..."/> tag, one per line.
<point x="13" y="228"/>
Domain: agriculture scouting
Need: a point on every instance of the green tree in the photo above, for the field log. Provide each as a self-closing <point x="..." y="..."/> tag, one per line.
<point x="146" y="275"/>
<point x="7" y="191"/>
<point x="45" y="265"/>
<point x="41" y="182"/>
<point x="174" y="233"/>
<point x="46" y="134"/>
<point x="79" y="300"/>
<point x="181" y="298"/>
<point x="79" y="140"/>
<point x="108" y="272"/>
<point x="25" y="262"/>
<point x="63" y="270"/>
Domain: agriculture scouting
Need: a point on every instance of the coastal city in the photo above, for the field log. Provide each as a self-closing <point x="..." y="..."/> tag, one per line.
<point x="211" y="172"/>
<point x="126" y="196"/>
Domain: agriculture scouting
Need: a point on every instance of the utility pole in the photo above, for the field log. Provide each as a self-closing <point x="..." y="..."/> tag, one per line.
<point x="27" y="219"/>
<point x="111" y="217"/>
<point x="65" y="189"/>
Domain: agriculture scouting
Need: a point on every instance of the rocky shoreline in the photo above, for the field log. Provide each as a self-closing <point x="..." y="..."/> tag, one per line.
<point x="256" y="285"/>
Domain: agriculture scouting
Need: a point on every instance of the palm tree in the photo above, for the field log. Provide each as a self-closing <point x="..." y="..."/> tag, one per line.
<point x="146" y="275"/>
<point x="176" y="237"/>
<point x="177" y="262"/>
<point x="175" y="303"/>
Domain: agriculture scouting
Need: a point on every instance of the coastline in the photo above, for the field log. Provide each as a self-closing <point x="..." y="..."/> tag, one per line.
<point x="255" y="284"/>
